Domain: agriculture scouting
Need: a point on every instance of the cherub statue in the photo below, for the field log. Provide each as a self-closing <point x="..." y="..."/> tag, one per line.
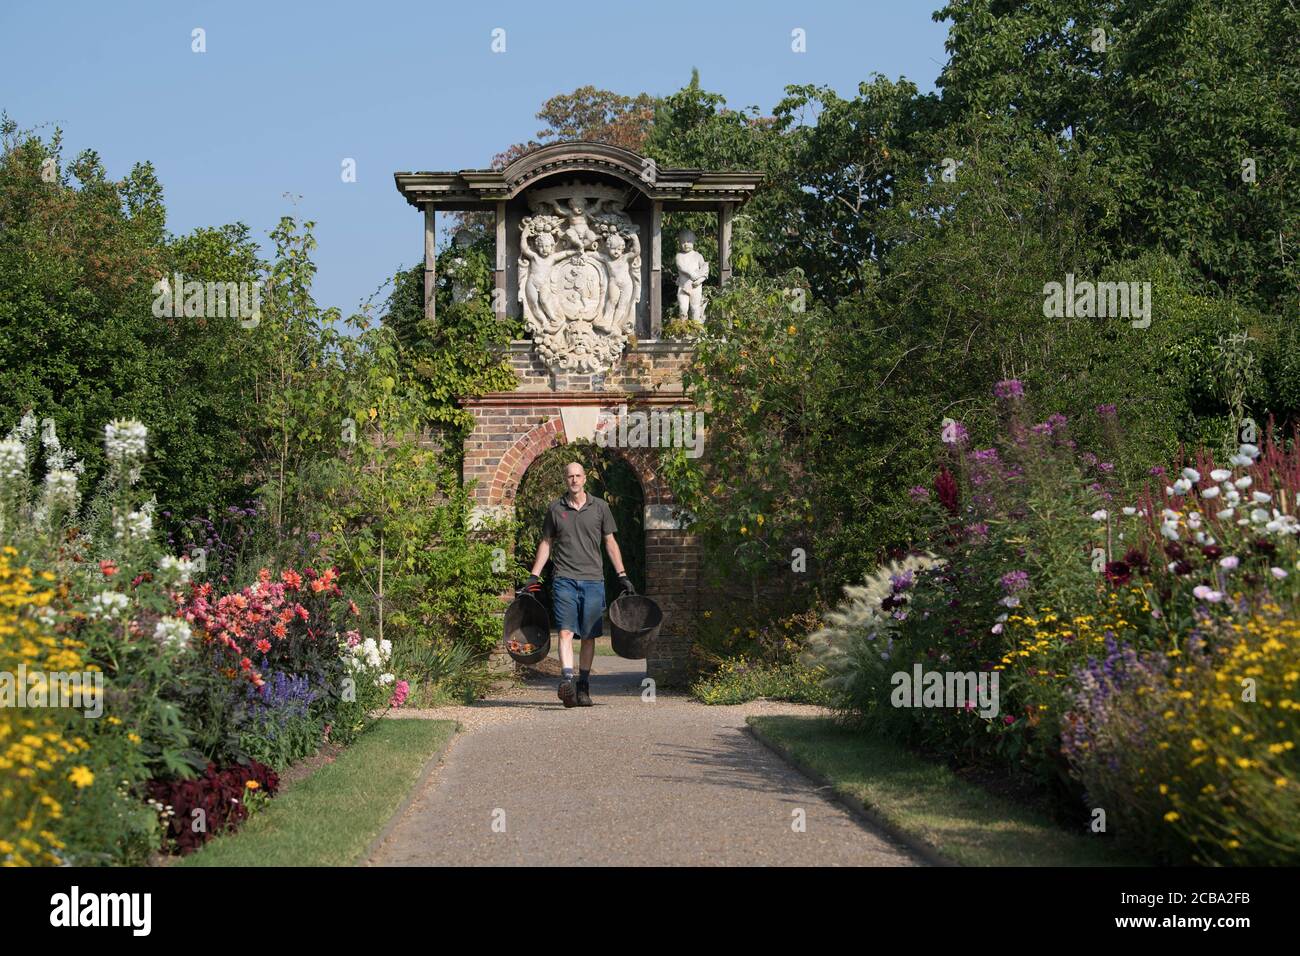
<point x="579" y="232"/>
<point x="535" y="273"/>
<point x="692" y="270"/>
<point x="624" y="279"/>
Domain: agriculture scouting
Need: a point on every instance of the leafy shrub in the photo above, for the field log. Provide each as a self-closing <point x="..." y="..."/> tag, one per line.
<point x="214" y="802"/>
<point x="737" y="681"/>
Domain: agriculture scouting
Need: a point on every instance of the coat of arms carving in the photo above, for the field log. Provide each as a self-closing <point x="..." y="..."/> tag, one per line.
<point x="579" y="275"/>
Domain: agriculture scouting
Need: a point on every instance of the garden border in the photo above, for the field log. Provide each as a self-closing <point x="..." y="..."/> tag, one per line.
<point x="855" y="806"/>
<point x="430" y="765"/>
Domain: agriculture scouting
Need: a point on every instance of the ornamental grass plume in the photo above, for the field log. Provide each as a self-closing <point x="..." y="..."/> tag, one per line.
<point x="870" y="610"/>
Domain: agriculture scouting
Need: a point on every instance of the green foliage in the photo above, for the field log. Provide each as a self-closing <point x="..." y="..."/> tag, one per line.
<point x="1181" y="96"/>
<point x="739" y="681"/>
<point x="79" y="256"/>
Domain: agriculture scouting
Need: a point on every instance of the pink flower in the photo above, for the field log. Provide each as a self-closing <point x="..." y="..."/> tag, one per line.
<point x="401" y="690"/>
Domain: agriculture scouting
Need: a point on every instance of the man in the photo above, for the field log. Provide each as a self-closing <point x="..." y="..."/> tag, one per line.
<point x="572" y="532"/>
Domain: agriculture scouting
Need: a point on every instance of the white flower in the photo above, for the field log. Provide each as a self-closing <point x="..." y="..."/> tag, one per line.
<point x="1220" y="474"/>
<point x="1225" y="514"/>
<point x="1171" y="567"/>
<point x="1229" y="563"/>
<point x="60" y="489"/>
<point x="1206" y="594"/>
<point x="1259" y="515"/>
<point x="1233" y="496"/>
<point x="1130" y="511"/>
<point x="1100" y="515"/>
<point x="172" y="630"/>
<point x="1194" y="520"/>
<point x="137" y="524"/>
<point x="1249" y="451"/>
<point x="1182" y="486"/>
<point x="108" y="605"/>
<point x="1278" y="573"/>
<point x="1210" y="492"/>
<point x="1241" y="461"/>
<point x="1261" y="498"/>
<point x="125" y="441"/>
<point x="179" y="569"/>
<point x="13" y="460"/>
<point x="1192" y="475"/>
<point x="1169" y="531"/>
<point x="1244" y="482"/>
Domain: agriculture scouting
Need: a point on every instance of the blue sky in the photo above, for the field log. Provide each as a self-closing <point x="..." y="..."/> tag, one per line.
<point x="287" y="91"/>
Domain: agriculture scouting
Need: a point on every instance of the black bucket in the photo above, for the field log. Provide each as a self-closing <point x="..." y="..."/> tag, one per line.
<point x="527" y="625"/>
<point x="634" y="622"/>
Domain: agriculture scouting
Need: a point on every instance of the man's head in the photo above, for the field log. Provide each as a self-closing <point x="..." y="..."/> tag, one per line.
<point x="575" y="476"/>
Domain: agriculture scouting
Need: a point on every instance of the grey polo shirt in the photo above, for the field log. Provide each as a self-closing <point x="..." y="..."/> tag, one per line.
<point x="576" y="536"/>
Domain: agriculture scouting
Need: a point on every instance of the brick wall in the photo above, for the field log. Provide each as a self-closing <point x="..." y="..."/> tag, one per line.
<point x="513" y="428"/>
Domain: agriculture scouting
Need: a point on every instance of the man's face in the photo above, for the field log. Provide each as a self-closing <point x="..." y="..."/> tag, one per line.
<point x="574" y="479"/>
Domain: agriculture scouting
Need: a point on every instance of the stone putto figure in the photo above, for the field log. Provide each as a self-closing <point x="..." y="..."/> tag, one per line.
<point x="692" y="270"/>
<point x="579" y="275"/>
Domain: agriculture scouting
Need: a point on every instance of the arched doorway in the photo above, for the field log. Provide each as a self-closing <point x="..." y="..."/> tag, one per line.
<point x="610" y="477"/>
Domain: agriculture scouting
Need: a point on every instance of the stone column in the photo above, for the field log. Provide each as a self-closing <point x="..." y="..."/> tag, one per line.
<point x="430" y="264"/>
<point x="724" y="243"/>
<point x="499" y="297"/>
<point x="656" y="270"/>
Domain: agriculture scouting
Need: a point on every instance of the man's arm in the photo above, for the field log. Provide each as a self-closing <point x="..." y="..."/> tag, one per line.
<point x="615" y="555"/>
<point x="543" y="555"/>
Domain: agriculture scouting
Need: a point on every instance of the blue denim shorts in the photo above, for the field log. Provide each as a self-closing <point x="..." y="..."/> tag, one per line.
<point x="579" y="606"/>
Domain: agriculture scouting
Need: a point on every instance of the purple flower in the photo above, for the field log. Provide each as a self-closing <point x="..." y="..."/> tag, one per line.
<point x="1106" y="411"/>
<point x="1157" y="472"/>
<point x="954" y="433"/>
<point x="985" y="454"/>
<point x="1014" y="581"/>
<point x="1009" y="388"/>
<point x="919" y="492"/>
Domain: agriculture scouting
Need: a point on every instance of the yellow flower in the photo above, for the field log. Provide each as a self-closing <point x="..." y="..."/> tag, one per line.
<point x="760" y="520"/>
<point x="1171" y="816"/>
<point x="744" y="530"/>
<point x="251" y="784"/>
<point x="792" y="330"/>
<point x="81" y="776"/>
<point x="133" y="737"/>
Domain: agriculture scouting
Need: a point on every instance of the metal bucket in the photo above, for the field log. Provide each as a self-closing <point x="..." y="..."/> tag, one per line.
<point x="634" y="622"/>
<point x="527" y="625"/>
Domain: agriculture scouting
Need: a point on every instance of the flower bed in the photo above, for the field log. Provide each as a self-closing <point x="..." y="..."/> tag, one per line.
<point x="190" y="697"/>
<point x="1144" y="640"/>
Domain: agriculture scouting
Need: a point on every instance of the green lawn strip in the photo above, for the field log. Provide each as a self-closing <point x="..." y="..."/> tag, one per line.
<point x="927" y="802"/>
<point x="331" y="817"/>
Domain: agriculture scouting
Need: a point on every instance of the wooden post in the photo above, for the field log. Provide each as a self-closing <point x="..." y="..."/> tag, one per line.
<point x="430" y="264"/>
<point x="656" y="270"/>
<point x="499" y="288"/>
<point x="724" y="243"/>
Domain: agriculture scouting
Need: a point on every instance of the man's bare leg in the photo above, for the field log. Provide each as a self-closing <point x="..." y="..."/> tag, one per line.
<point x="566" y="648"/>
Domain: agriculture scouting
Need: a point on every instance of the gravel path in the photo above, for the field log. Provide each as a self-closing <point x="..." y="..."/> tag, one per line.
<point x="626" y="782"/>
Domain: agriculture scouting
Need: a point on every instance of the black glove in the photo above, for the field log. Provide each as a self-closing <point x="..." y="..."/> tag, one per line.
<point x="534" y="586"/>
<point x="624" y="580"/>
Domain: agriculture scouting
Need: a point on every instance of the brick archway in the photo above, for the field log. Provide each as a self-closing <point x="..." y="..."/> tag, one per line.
<point x="513" y="428"/>
<point x="514" y="464"/>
